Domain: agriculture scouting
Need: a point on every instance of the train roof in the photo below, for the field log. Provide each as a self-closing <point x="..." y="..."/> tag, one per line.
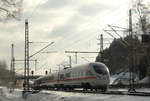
<point x="83" y="66"/>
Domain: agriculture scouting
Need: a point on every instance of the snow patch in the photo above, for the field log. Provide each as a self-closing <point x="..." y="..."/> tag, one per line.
<point x="66" y="96"/>
<point x="144" y="80"/>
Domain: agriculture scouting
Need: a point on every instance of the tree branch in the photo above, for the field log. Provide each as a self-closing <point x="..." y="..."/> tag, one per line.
<point x="4" y="9"/>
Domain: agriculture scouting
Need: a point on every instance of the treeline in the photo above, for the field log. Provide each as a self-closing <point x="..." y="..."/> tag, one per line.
<point x="118" y="57"/>
<point x="5" y="74"/>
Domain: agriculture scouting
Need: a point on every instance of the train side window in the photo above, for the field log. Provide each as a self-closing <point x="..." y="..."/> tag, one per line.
<point x="72" y="75"/>
<point x="61" y="76"/>
<point x="67" y="75"/>
<point x="47" y="78"/>
<point x="80" y="73"/>
<point x="77" y="74"/>
<point x="39" y="82"/>
<point x="42" y="80"/>
<point x="51" y="77"/>
<point x="89" y="73"/>
<point x="83" y="73"/>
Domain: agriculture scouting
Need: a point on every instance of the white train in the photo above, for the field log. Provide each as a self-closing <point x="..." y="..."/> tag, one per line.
<point x="88" y="76"/>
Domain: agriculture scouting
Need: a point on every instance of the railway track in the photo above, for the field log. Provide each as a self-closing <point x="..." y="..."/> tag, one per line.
<point x="109" y="92"/>
<point x="128" y="93"/>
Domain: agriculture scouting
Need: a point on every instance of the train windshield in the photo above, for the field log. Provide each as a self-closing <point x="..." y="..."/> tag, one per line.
<point x="99" y="69"/>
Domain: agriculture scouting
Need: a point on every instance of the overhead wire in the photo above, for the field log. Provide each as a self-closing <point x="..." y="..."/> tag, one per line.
<point x="78" y="41"/>
<point x="109" y="33"/>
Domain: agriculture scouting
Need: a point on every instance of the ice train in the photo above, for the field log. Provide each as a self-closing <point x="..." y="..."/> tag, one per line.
<point x="93" y="75"/>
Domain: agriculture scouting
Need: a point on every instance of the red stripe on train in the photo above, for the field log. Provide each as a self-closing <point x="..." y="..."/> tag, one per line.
<point x="73" y="79"/>
<point x="81" y="78"/>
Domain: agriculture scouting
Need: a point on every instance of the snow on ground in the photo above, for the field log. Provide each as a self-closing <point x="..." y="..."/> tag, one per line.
<point x="144" y="80"/>
<point x="65" y="96"/>
<point x="8" y="95"/>
<point x="143" y="90"/>
<point x="124" y="78"/>
<point x="68" y="96"/>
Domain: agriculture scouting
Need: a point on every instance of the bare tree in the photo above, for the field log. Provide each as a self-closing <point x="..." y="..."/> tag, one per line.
<point x="10" y="9"/>
<point x="143" y="10"/>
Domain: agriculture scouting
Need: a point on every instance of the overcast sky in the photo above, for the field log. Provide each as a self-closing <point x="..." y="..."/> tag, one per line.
<point x="71" y="24"/>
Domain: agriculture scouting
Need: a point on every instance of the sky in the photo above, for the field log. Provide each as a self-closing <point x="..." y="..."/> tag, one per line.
<point x="73" y="25"/>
